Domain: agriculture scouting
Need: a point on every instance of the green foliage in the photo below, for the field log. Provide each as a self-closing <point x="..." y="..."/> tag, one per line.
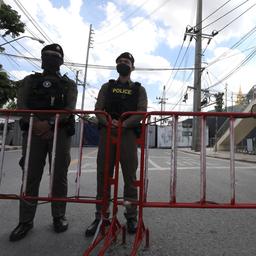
<point x="12" y="104"/>
<point x="219" y="101"/>
<point x="8" y="88"/>
<point x="11" y="25"/>
<point x="10" y="21"/>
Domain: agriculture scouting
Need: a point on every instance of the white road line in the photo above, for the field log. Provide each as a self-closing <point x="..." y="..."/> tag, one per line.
<point x="168" y="169"/>
<point x="83" y="171"/>
<point x="154" y="164"/>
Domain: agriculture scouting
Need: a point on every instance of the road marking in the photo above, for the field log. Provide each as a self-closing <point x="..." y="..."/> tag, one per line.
<point x="168" y="169"/>
<point x="75" y="161"/>
<point x="153" y="163"/>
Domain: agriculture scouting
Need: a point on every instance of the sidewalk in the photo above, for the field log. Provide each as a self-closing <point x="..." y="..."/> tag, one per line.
<point x="245" y="157"/>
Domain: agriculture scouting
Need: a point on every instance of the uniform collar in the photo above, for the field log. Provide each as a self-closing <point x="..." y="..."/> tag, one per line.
<point x="129" y="82"/>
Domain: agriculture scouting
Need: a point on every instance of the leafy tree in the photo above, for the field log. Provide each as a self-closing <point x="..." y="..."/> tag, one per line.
<point x="10" y="21"/>
<point x="219" y="101"/>
<point x="11" y="25"/>
<point x="8" y="88"/>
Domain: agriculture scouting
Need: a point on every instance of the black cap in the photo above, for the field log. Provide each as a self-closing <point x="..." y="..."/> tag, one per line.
<point x="54" y="49"/>
<point x="126" y="55"/>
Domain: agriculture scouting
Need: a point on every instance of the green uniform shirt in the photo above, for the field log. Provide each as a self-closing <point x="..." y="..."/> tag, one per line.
<point x="131" y="121"/>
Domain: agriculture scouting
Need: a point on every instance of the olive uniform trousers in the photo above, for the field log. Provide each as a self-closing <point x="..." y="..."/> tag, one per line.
<point x="39" y="150"/>
<point x="129" y="164"/>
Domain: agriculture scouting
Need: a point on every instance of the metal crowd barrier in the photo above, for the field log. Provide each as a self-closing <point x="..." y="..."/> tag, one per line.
<point x="77" y="198"/>
<point x="142" y="182"/>
<point x="106" y="236"/>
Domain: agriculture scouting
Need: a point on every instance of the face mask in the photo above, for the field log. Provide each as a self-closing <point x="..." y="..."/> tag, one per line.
<point x="51" y="63"/>
<point x="123" y="69"/>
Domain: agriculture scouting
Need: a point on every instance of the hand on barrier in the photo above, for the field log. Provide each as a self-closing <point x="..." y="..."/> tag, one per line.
<point x="47" y="136"/>
<point x="41" y="127"/>
<point x="114" y="123"/>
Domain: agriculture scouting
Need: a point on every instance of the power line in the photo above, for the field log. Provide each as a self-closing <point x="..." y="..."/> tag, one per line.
<point x="238" y="43"/>
<point x="156" y="9"/>
<point x="237" y="17"/>
<point x="94" y="66"/>
<point x="125" y="18"/>
<point x="178" y="69"/>
<point x="36" y="25"/>
<point x="11" y="45"/>
<point x="225" y="15"/>
<point x="33" y="21"/>
<point x="242" y="63"/>
<point x="213" y="12"/>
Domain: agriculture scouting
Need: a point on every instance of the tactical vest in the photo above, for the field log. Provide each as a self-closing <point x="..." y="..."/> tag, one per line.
<point x="121" y="98"/>
<point x="47" y="92"/>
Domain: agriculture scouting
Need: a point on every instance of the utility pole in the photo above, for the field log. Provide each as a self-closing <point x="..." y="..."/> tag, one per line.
<point x="196" y="33"/>
<point x="1" y="2"/>
<point x="232" y="105"/>
<point x="226" y="97"/>
<point x="89" y="45"/>
<point x="197" y="78"/>
<point x="162" y="101"/>
<point x="77" y="79"/>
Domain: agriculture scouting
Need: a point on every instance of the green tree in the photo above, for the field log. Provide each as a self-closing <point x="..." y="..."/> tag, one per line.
<point x="8" y="89"/>
<point x="10" y="24"/>
<point x="219" y="101"/>
<point x="10" y="21"/>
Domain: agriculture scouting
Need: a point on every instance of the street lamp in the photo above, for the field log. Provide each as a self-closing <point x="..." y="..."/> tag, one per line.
<point x="16" y="39"/>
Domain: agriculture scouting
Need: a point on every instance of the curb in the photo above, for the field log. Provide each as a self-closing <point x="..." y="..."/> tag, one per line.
<point x="222" y="156"/>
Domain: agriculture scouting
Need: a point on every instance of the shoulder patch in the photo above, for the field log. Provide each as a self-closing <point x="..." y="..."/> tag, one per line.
<point x="137" y="83"/>
<point x="112" y="81"/>
<point x="35" y="75"/>
<point x="65" y="77"/>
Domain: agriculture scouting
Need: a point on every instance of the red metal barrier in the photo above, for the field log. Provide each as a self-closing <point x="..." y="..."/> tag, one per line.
<point x="77" y="198"/>
<point x="142" y="231"/>
<point x="107" y="236"/>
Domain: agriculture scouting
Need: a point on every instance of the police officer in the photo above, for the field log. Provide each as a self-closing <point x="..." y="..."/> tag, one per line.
<point x="46" y="91"/>
<point x="116" y="97"/>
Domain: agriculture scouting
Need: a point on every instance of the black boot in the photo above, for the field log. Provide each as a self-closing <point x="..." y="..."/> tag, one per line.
<point x="20" y="231"/>
<point x="131" y="226"/>
<point x="91" y="230"/>
<point x="60" y="224"/>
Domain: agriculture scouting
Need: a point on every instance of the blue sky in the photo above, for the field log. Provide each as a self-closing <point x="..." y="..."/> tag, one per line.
<point x="153" y="31"/>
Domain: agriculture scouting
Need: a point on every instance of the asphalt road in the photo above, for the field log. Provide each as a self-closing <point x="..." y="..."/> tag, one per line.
<point x="173" y="232"/>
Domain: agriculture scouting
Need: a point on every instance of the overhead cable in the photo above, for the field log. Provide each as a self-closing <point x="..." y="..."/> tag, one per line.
<point x="135" y="25"/>
<point x="94" y="66"/>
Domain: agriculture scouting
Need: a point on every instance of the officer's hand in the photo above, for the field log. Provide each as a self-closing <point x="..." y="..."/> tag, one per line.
<point x="41" y="127"/>
<point x="115" y="123"/>
<point x="47" y="136"/>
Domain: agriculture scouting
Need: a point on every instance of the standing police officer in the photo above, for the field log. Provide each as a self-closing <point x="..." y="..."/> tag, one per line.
<point x="46" y="91"/>
<point x="116" y="97"/>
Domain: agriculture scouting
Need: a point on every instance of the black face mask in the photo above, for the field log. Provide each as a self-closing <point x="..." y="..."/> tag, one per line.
<point x="123" y="69"/>
<point x="51" y="63"/>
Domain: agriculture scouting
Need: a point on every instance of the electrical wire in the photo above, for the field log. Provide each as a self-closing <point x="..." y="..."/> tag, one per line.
<point x="35" y="65"/>
<point x="245" y="61"/>
<point x="237" y="17"/>
<point x="135" y="25"/>
<point x="33" y="21"/>
<point x="207" y="17"/>
<point x="224" y="14"/>
<point x="93" y="66"/>
<point x="125" y="18"/>
<point x="178" y="69"/>
<point x="37" y="26"/>
<point x="28" y="60"/>
<point x="238" y="43"/>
